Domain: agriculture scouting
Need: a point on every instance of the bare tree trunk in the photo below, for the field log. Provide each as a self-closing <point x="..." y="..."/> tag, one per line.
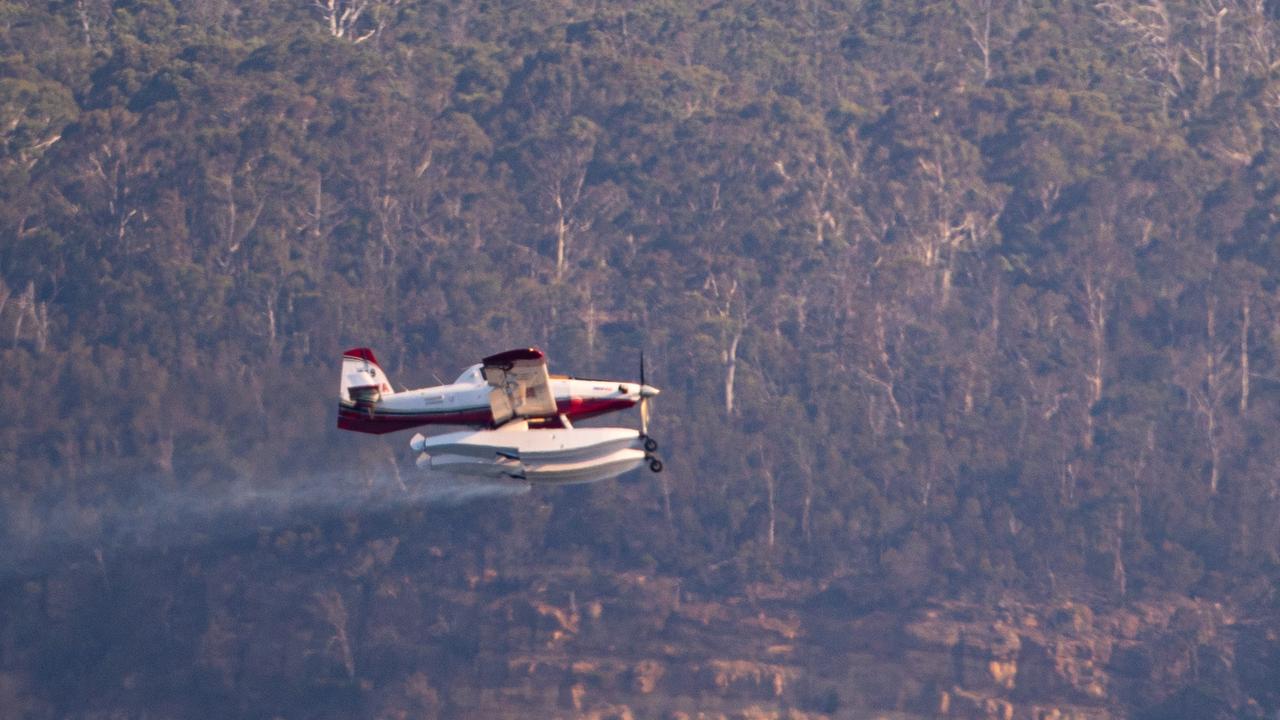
<point x="40" y="319"/>
<point x="1067" y="479"/>
<point x="1097" y="318"/>
<point x="591" y="331"/>
<point x="1204" y="375"/>
<point x="1118" y="573"/>
<point x="562" y="231"/>
<point x="821" y="216"/>
<point x="24" y="306"/>
<point x="342" y="16"/>
<point x="730" y="322"/>
<point x="769" y="487"/>
<point x="317" y="209"/>
<point x="83" y="14"/>
<point x="1150" y="27"/>
<point x="1211" y="375"/>
<point x="807" y="507"/>
<point x="1244" y="356"/>
<point x="731" y="367"/>
<point x="1262" y="37"/>
<point x="334" y="612"/>
<point x="980" y="33"/>
<point x="5" y="294"/>
<point x="882" y="345"/>
<point x="1217" y="50"/>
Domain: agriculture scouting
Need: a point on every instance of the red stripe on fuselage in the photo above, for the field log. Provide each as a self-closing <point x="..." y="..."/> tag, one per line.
<point x="378" y="423"/>
<point x="360" y="420"/>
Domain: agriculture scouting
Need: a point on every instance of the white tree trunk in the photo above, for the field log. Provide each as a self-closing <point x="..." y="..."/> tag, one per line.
<point x="1244" y="356"/>
<point x="5" y="293"/>
<point x="1211" y="406"/>
<point x="769" y="486"/>
<point x="1118" y="573"/>
<point x="980" y="33"/>
<point x="334" y="612"/>
<point x="731" y="367"/>
<point x="1096" y="296"/>
<point x="25" y="301"/>
<point x="40" y="319"/>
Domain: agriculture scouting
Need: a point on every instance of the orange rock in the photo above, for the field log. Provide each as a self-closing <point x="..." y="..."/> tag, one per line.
<point x="1004" y="673"/>
<point x="647" y="673"/>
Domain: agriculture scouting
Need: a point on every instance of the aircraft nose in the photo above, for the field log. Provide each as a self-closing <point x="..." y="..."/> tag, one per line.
<point x="649" y="391"/>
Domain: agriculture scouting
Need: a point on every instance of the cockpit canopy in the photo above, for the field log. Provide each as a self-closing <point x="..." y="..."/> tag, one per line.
<point x="471" y="376"/>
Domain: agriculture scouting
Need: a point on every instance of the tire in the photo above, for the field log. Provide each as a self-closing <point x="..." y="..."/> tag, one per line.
<point x="655" y="465"/>
<point x="650" y="444"/>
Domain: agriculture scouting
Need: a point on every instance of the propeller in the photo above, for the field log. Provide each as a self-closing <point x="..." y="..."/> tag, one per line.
<point x="644" y="400"/>
<point x="646" y="392"/>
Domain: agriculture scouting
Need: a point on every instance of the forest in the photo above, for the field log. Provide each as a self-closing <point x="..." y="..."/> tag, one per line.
<point x="957" y="300"/>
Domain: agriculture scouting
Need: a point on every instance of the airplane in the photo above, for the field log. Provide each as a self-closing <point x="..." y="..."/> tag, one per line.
<point x="521" y="418"/>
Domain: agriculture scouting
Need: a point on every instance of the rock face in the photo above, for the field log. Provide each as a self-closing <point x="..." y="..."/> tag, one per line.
<point x="627" y="645"/>
<point x="1018" y="660"/>
<point x="643" y="648"/>
<point x="1013" y="661"/>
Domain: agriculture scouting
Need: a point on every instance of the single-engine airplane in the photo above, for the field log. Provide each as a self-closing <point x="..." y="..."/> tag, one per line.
<point x="521" y="418"/>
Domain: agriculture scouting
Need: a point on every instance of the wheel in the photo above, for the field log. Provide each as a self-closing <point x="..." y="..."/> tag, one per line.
<point x="650" y="444"/>
<point x="655" y="465"/>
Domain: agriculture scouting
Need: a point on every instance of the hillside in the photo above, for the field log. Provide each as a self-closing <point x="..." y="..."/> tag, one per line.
<point x="965" y="305"/>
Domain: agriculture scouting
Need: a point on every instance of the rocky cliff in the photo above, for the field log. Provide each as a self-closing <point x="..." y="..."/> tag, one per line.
<point x="408" y="640"/>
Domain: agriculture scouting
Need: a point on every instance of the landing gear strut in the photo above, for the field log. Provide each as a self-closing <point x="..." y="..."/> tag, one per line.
<point x="650" y="445"/>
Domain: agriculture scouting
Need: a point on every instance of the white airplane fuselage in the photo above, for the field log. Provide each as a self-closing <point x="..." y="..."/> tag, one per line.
<point x="466" y="402"/>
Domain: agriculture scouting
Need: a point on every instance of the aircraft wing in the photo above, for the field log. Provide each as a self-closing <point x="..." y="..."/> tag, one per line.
<point x="521" y="385"/>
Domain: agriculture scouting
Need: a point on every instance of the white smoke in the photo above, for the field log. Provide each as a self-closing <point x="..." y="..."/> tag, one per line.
<point x="39" y="537"/>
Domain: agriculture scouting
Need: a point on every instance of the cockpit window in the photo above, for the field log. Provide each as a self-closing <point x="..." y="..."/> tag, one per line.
<point x="470" y="376"/>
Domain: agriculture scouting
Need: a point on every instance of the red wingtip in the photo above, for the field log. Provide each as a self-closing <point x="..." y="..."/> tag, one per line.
<point x="361" y="354"/>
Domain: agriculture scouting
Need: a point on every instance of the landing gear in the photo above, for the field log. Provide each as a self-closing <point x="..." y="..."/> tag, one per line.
<point x="650" y="453"/>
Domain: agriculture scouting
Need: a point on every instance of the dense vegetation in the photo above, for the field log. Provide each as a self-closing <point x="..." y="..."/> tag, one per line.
<point x="944" y="297"/>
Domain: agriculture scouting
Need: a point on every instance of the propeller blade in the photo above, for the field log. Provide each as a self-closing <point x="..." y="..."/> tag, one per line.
<point x="644" y="400"/>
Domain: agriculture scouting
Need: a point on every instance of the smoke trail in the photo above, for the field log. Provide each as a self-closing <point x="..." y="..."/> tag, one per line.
<point x="41" y="537"/>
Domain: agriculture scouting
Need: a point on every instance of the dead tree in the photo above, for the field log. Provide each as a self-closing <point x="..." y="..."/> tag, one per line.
<point x="334" y="612"/>
<point x="733" y="314"/>
<point x="1205" y="376"/>
<point x="1150" y="28"/>
<point x="342" y="18"/>
<point x="980" y="33"/>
